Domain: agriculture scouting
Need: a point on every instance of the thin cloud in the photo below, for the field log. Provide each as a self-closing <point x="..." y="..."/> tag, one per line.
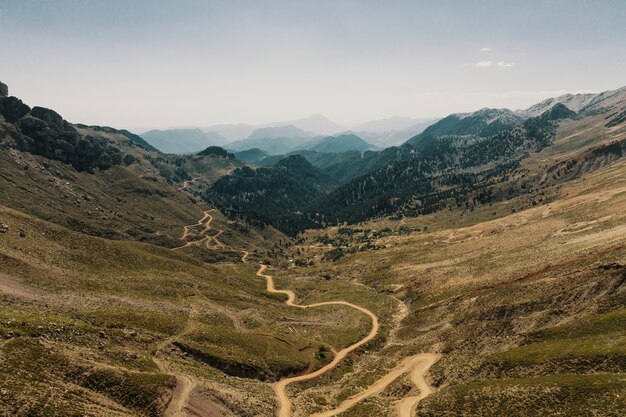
<point x="489" y="64"/>
<point x="503" y="64"/>
<point x="485" y="49"/>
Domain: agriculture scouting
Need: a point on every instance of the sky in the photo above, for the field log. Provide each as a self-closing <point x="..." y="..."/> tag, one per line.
<point x="154" y="63"/>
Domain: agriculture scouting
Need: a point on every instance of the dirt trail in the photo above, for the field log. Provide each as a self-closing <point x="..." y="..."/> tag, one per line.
<point x="8" y="285"/>
<point x="187" y="183"/>
<point x="206" y="222"/>
<point x="200" y="222"/>
<point x="418" y="364"/>
<point x="184" y="383"/>
<point x="215" y="240"/>
<point x="421" y="364"/>
<point x="280" y="387"/>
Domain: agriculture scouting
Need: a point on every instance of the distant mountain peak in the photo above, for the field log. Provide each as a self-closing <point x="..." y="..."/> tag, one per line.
<point x="181" y="141"/>
<point x="574" y="102"/>
<point x="318" y="124"/>
<point x="341" y="143"/>
<point x="393" y="123"/>
<point x="293" y="161"/>
<point x="287" y="131"/>
<point x="484" y="122"/>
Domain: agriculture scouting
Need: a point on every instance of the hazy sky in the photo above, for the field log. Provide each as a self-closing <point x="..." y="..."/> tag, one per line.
<point x="156" y="63"/>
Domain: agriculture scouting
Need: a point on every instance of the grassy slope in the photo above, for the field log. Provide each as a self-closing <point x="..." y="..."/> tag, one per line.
<point x="133" y="201"/>
<point x="117" y="202"/>
<point x="92" y="312"/>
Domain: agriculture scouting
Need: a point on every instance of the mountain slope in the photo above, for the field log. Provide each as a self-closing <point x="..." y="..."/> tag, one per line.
<point x="436" y="174"/>
<point x="251" y="155"/>
<point x="524" y="304"/>
<point x="574" y="102"/>
<point x="344" y="166"/>
<point x="483" y="123"/>
<point x="558" y="112"/>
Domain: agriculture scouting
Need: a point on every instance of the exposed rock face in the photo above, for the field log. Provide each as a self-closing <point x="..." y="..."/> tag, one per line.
<point x="12" y="108"/>
<point x="44" y="132"/>
<point x="4" y="90"/>
<point x="51" y="117"/>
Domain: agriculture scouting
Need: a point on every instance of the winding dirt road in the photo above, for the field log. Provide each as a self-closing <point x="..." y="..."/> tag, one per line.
<point x="187" y="183"/>
<point x="418" y="364"/>
<point x="280" y="387"/>
<point x="200" y="222"/>
<point x="206" y="222"/>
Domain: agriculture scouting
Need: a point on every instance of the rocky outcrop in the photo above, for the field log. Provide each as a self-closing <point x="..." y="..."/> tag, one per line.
<point x="4" y="90"/>
<point x="12" y="109"/>
<point x="51" y="118"/>
<point x="44" y="132"/>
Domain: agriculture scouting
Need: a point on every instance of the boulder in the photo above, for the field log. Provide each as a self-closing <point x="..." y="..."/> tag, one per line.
<point x="13" y="109"/>
<point x="49" y="116"/>
<point x="4" y="228"/>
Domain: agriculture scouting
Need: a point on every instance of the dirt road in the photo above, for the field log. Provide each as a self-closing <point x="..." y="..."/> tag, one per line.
<point x="418" y="364"/>
<point x="206" y="222"/>
<point x="184" y="383"/>
<point x="200" y="222"/>
<point x="280" y="387"/>
<point x="421" y="364"/>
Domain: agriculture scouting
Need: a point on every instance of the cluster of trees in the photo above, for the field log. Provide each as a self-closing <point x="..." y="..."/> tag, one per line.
<point x="216" y="152"/>
<point x="441" y="172"/>
<point x="273" y="195"/>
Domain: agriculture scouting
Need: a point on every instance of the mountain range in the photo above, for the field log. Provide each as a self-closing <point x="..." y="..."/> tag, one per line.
<point x="461" y="160"/>
<point x="282" y="137"/>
